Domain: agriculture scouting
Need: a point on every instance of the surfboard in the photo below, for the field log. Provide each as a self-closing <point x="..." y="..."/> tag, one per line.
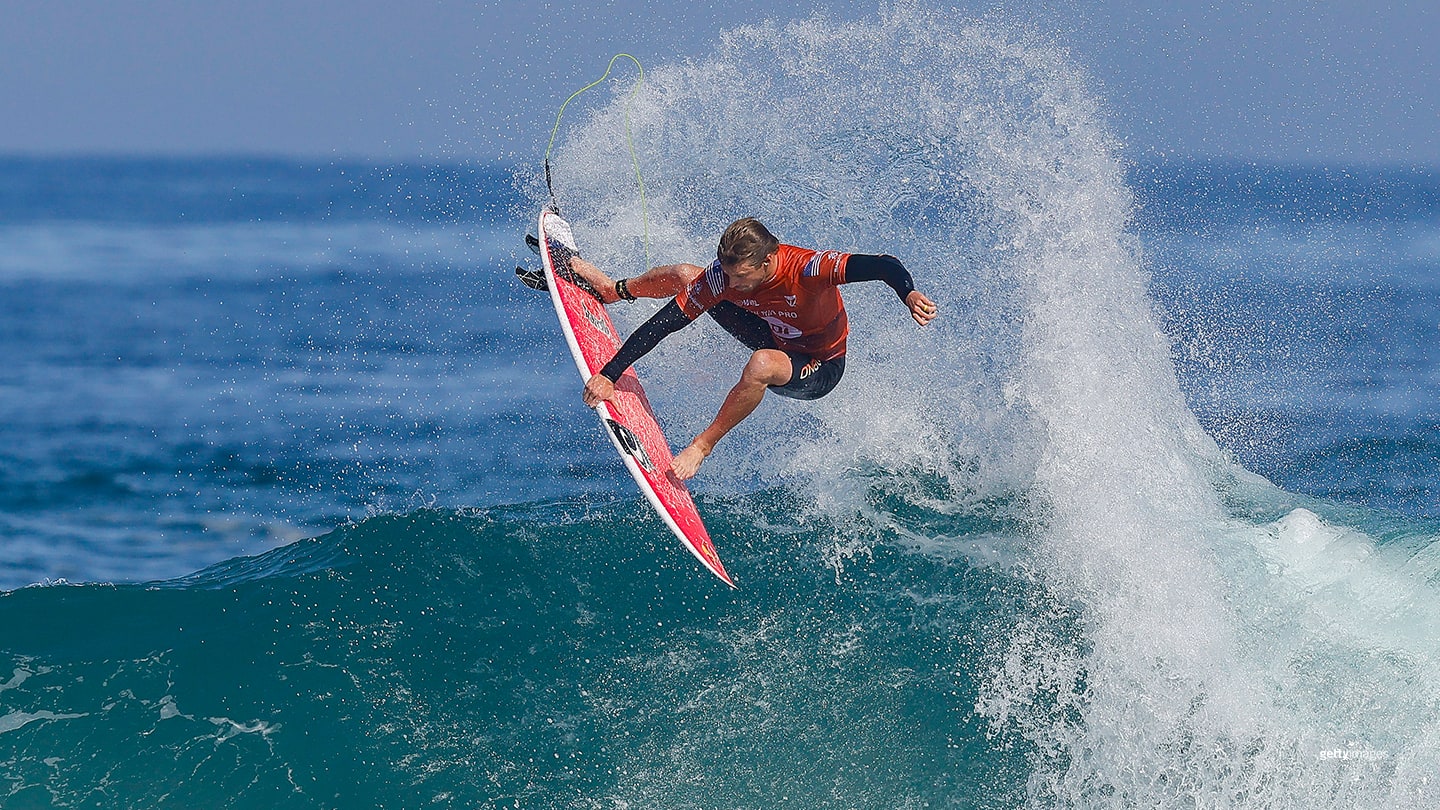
<point x="629" y="420"/>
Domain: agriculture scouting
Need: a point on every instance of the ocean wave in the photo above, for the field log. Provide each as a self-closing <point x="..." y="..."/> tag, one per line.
<point x="455" y="657"/>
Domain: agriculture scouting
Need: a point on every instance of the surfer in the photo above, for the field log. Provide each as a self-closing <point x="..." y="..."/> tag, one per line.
<point x="781" y="301"/>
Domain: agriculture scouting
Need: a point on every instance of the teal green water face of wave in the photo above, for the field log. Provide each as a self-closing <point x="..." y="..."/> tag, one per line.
<point x="553" y="655"/>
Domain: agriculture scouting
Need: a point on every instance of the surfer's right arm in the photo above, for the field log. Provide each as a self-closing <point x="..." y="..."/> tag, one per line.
<point x="669" y="320"/>
<point x="657" y="282"/>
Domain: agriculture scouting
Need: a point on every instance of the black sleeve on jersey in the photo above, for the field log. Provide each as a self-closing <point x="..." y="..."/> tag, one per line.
<point x="669" y="320"/>
<point x="863" y="267"/>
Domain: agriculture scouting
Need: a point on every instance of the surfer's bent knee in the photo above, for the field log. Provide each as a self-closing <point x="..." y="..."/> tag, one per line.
<point x="770" y="367"/>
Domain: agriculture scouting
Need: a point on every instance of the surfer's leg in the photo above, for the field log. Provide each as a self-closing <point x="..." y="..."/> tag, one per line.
<point x="767" y="367"/>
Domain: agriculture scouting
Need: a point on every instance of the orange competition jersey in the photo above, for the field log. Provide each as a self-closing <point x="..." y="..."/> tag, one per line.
<point x="801" y="301"/>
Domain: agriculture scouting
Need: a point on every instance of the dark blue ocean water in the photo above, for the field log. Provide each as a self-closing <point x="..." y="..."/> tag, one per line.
<point x="299" y="506"/>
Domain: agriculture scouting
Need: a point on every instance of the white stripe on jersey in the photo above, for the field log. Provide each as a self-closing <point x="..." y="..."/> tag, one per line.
<point x="715" y="277"/>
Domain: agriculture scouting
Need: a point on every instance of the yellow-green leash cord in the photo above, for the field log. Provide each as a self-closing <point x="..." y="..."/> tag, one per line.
<point x="644" y="211"/>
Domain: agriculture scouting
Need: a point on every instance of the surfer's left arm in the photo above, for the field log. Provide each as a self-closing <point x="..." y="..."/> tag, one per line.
<point x="864" y="267"/>
<point x="669" y="320"/>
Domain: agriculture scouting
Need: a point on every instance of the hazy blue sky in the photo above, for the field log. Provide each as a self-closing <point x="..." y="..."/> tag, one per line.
<point x="1348" y="80"/>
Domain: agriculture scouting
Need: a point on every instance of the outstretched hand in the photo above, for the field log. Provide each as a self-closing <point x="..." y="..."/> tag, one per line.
<point x="599" y="389"/>
<point x="922" y="309"/>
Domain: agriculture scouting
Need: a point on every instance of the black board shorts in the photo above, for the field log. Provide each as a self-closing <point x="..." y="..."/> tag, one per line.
<point x="809" y="378"/>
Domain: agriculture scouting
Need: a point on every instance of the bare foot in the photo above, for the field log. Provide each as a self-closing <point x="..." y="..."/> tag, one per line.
<point x="688" y="462"/>
<point x="602" y="283"/>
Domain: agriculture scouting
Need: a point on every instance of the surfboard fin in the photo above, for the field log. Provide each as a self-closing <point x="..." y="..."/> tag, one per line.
<point x="534" y="279"/>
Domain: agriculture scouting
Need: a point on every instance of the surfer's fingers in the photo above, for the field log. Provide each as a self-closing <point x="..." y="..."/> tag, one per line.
<point x="598" y="389"/>
<point x="922" y="309"/>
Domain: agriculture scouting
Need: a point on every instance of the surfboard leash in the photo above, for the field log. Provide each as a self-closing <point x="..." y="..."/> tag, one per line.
<point x="629" y="142"/>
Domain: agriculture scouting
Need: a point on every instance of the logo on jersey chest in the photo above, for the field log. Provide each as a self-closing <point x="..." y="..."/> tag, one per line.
<point x="772" y="307"/>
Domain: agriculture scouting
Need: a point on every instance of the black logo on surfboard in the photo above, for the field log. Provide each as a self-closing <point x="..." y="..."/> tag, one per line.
<point x="598" y="322"/>
<point x="630" y="443"/>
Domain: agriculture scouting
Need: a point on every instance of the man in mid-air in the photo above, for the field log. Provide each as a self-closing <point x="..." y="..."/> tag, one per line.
<point x="781" y="301"/>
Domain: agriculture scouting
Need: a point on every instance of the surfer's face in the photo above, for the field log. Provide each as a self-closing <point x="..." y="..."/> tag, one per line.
<point x="747" y="277"/>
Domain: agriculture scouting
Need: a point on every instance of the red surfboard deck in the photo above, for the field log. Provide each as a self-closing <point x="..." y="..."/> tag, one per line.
<point x="629" y="420"/>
